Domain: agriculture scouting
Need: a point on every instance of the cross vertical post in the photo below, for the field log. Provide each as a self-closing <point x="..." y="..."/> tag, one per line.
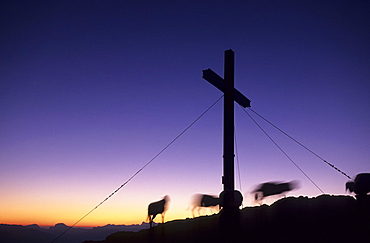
<point x="228" y="157"/>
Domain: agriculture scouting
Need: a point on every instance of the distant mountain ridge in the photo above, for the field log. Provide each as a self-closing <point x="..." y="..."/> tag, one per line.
<point x="34" y="233"/>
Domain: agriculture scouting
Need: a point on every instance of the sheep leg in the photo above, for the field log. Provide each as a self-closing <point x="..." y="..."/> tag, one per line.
<point x="150" y="221"/>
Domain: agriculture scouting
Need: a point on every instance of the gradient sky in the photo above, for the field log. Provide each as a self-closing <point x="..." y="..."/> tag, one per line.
<point x="93" y="90"/>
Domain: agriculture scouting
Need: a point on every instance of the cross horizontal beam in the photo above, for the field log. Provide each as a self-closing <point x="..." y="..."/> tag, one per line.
<point x="219" y="83"/>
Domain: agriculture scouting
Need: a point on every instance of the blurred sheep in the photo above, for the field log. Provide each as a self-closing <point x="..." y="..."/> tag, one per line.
<point x="360" y="186"/>
<point x="200" y="201"/>
<point x="273" y="188"/>
<point x="159" y="207"/>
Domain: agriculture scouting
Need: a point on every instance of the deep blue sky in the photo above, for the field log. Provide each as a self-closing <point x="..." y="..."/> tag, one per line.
<point x="92" y="90"/>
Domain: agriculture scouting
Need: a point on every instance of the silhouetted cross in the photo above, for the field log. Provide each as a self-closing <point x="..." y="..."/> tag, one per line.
<point x="226" y="85"/>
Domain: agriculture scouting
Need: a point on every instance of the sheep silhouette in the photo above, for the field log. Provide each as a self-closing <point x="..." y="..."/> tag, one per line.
<point x="200" y="201"/>
<point x="360" y="186"/>
<point x="273" y="188"/>
<point x="159" y="207"/>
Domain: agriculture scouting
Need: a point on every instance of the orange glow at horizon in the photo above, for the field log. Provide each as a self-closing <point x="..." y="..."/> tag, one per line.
<point x="113" y="213"/>
<point x="44" y="220"/>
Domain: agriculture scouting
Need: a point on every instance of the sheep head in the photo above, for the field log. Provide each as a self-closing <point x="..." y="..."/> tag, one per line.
<point x="350" y="186"/>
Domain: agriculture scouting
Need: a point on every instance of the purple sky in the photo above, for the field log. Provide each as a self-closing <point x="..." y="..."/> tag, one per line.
<point x="93" y="90"/>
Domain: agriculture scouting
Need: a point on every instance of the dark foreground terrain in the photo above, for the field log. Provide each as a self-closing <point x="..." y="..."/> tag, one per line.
<point x="321" y="219"/>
